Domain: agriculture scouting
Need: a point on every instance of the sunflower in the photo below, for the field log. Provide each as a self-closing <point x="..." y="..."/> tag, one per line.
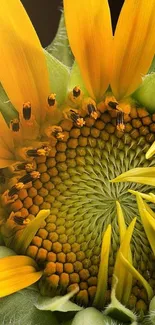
<point x="77" y="167"/>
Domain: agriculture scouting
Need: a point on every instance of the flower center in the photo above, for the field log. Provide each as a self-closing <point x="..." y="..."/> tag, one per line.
<point x="74" y="185"/>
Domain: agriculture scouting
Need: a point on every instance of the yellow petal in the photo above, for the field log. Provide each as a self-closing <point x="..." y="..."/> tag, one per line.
<point x="148" y="222"/>
<point x="21" y="243"/>
<point x="121" y="221"/>
<point x="16" y="273"/>
<point x="149" y="197"/>
<point x="103" y="270"/>
<point x="120" y="272"/>
<point x="151" y="151"/>
<point x="142" y="175"/>
<point x="137" y="275"/>
<point x="6" y="145"/>
<point x="134" y="46"/>
<point x="90" y="36"/>
<point x="23" y="68"/>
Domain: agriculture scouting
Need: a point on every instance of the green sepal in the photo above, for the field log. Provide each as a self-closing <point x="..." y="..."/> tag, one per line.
<point x="58" y="303"/>
<point x="76" y="79"/>
<point x="91" y="316"/>
<point x="58" y="77"/>
<point x="145" y="93"/>
<point x="152" y="311"/>
<point x="59" y="47"/>
<point x="6" y="108"/>
<point x="119" y="312"/>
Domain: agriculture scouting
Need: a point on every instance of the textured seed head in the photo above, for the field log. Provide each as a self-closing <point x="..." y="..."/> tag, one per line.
<point x="74" y="184"/>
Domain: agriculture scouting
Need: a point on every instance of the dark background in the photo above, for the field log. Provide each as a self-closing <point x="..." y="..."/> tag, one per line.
<point x="45" y="15"/>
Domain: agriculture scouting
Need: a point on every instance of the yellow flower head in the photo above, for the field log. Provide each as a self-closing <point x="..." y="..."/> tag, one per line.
<point x="77" y="170"/>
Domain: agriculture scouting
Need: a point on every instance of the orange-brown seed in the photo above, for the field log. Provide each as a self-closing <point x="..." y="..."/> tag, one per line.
<point x="27" y="202"/>
<point x="61" y="257"/>
<point x="99" y="125"/>
<point x="93" y="270"/>
<point x="110" y="128"/>
<point x="66" y="248"/>
<point x="53" y="236"/>
<point x="66" y="124"/>
<point x="34" y="209"/>
<point x="64" y="279"/>
<point x="24" y="212"/>
<point x="62" y="238"/>
<point x="71" y="257"/>
<point x="52" y="152"/>
<point x="37" y="241"/>
<point x="61" y="146"/>
<point x="47" y="245"/>
<point x="84" y="274"/>
<point x="74" y="278"/>
<point x="41" y="255"/>
<point x="42" y="168"/>
<point x="92" y="292"/>
<point x="68" y="267"/>
<point x="42" y="233"/>
<point x="75" y="247"/>
<point x="59" y="267"/>
<point x="57" y="247"/>
<point x="50" y="226"/>
<point x="60" y="157"/>
<point x="44" y="177"/>
<point x="73" y="287"/>
<point x="83" y="141"/>
<point x="32" y="192"/>
<point x="51" y="257"/>
<point x="80" y="256"/>
<point x="92" y="281"/>
<point x="45" y="205"/>
<point x="95" y="132"/>
<point x="82" y="296"/>
<point x="16" y="206"/>
<point x="83" y="285"/>
<point x="144" y="130"/>
<point x="146" y="120"/>
<point x="38" y="200"/>
<point x="89" y="122"/>
<point x="53" y="280"/>
<point x="22" y="194"/>
<point x="32" y="251"/>
<point x="50" y="268"/>
<point x="77" y="266"/>
<point x="37" y="184"/>
<point x="40" y="159"/>
<point x="72" y="143"/>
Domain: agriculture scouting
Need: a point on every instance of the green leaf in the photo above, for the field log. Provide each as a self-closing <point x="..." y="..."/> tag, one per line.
<point x="58" y="303"/>
<point x="19" y="309"/>
<point x="59" y="76"/>
<point x="60" y="48"/>
<point x="145" y="93"/>
<point x="91" y="316"/>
